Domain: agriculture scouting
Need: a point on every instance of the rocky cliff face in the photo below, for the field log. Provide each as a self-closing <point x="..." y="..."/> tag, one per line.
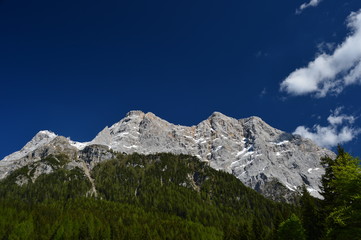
<point x="273" y="162"/>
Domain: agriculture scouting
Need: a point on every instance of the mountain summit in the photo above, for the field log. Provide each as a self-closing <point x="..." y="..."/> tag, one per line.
<point x="272" y="162"/>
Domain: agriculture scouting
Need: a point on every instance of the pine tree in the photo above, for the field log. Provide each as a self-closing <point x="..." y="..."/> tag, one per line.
<point x="23" y="231"/>
<point x="343" y="197"/>
<point x="311" y="219"/>
<point x="327" y="190"/>
<point x="342" y="193"/>
<point x="291" y="229"/>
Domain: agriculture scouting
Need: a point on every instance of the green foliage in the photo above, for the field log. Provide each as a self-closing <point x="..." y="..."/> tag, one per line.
<point x="184" y="186"/>
<point x="160" y="196"/>
<point x="342" y="192"/>
<point x="56" y="161"/>
<point x="311" y="216"/>
<point x="291" y="229"/>
<point x="23" y="230"/>
<point x="99" y="219"/>
<point x="61" y="184"/>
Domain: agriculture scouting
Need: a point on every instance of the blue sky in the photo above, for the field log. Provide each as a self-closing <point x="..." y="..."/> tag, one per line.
<point x="74" y="67"/>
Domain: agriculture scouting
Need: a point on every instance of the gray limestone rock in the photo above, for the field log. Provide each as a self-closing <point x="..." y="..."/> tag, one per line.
<point x="272" y="162"/>
<point x="94" y="154"/>
<point x="249" y="148"/>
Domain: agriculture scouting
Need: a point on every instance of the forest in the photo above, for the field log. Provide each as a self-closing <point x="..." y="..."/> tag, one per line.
<point x="166" y="196"/>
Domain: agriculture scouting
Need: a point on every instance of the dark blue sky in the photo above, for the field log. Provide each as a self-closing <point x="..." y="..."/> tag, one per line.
<point x="74" y="67"/>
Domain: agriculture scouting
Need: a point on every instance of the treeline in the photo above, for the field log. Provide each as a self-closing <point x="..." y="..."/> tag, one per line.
<point x="160" y="196"/>
<point x="165" y="196"/>
<point x="338" y="215"/>
<point x="87" y="218"/>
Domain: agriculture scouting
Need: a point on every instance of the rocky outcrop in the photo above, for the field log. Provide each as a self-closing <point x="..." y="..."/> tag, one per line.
<point x="273" y="162"/>
<point x="90" y="155"/>
<point x="249" y="148"/>
<point x="94" y="154"/>
<point x="40" y="139"/>
<point x="35" y="151"/>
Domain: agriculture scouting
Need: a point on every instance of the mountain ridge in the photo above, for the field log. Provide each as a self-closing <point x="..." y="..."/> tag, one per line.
<point x="256" y="153"/>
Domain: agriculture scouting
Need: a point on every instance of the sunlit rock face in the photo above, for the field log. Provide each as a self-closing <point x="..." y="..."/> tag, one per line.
<point x="272" y="162"/>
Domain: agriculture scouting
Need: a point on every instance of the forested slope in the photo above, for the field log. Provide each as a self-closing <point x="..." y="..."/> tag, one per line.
<point x="160" y="196"/>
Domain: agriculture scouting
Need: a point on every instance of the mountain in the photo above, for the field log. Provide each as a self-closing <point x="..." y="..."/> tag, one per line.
<point x="158" y="196"/>
<point x="273" y="162"/>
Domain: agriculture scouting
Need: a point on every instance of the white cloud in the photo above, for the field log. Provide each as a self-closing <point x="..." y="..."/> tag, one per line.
<point x="335" y="133"/>
<point x="312" y="3"/>
<point x="330" y="73"/>
<point x="336" y="118"/>
<point x="326" y="47"/>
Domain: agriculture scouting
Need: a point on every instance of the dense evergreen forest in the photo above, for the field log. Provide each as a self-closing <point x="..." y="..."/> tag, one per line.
<point x="167" y="196"/>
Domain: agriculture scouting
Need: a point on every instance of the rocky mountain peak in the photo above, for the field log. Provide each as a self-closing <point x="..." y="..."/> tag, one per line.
<point x="254" y="119"/>
<point x="261" y="156"/>
<point x="151" y="115"/>
<point x="41" y="138"/>
<point x="218" y="115"/>
<point x="135" y="113"/>
<point x="45" y="134"/>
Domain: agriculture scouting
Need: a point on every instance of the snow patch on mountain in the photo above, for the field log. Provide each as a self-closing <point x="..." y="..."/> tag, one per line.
<point x="248" y="148"/>
<point x="41" y="138"/>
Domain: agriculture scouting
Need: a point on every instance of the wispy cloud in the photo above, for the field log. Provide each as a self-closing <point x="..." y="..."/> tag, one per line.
<point x="260" y="54"/>
<point x="326" y="47"/>
<point x="330" y="73"/>
<point x="340" y="130"/>
<point x="312" y="3"/>
<point x="263" y="93"/>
